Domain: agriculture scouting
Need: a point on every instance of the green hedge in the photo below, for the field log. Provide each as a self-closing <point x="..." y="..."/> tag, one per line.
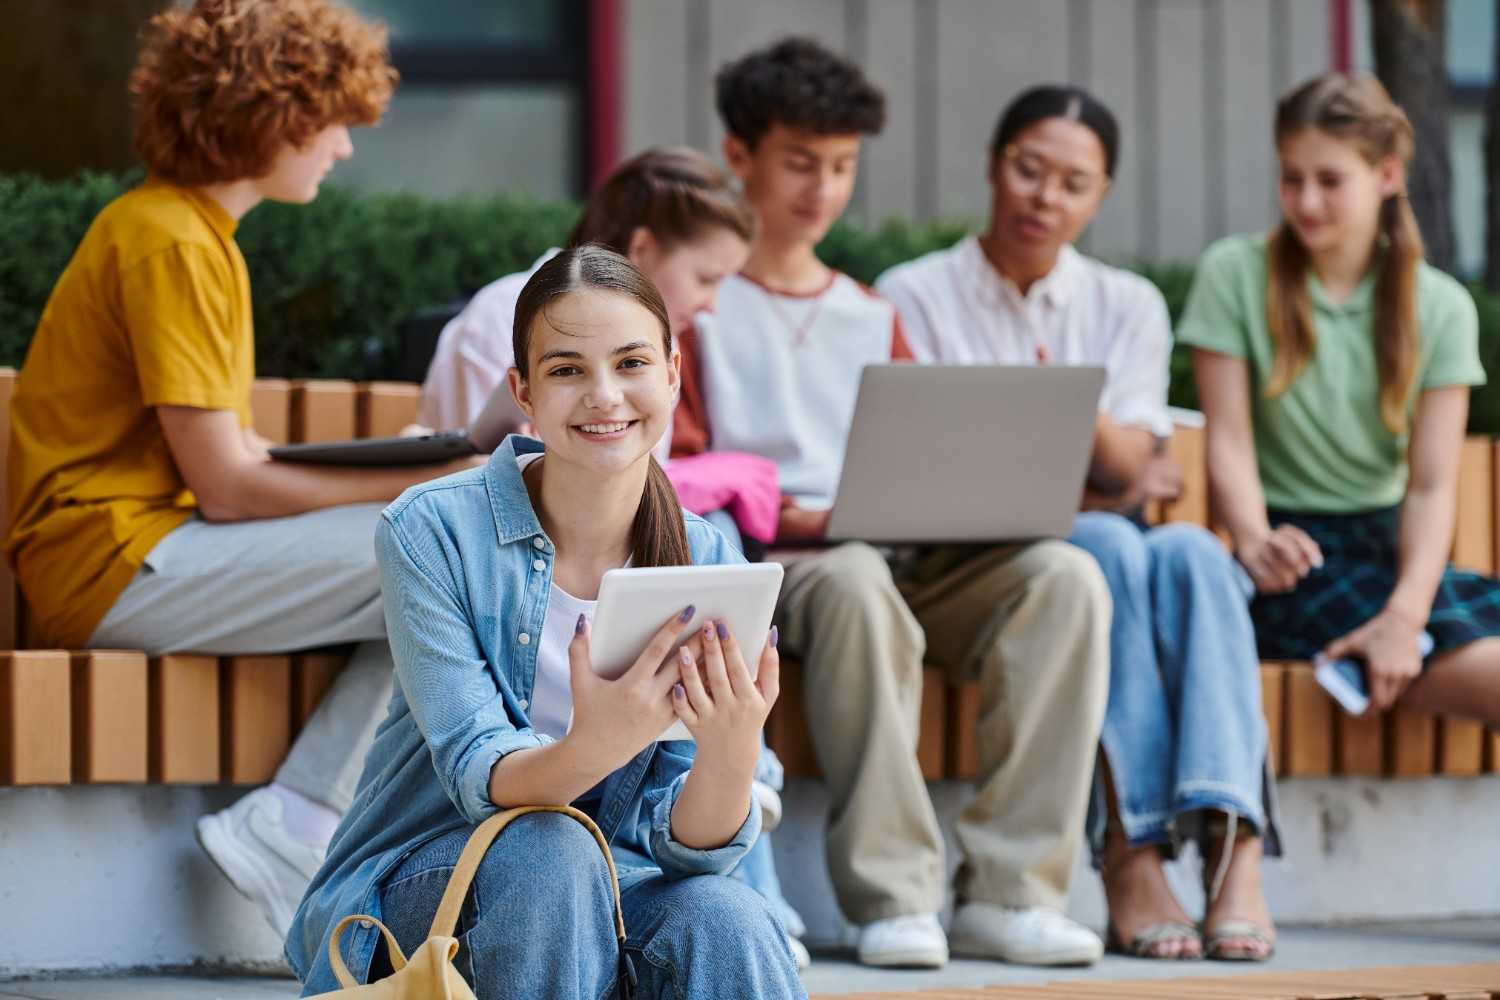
<point x="334" y="278"/>
<point x="327" y="277"/>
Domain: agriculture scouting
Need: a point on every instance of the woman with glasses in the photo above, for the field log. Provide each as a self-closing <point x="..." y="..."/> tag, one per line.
<point x="1184" y="741"/>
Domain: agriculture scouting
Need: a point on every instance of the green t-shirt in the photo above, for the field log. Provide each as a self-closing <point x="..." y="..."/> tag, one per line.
<point x="1321" y="445"/>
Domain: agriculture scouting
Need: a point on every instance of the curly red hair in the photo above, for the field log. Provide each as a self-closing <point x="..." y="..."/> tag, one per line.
<point x="221" y="87"/>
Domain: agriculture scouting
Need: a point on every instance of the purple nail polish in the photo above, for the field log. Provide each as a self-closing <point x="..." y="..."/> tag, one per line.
<point x="583" y="622"/>
<point x="723" y="630"/>
<point x="708" y="630"/>
<point x="685" y="656"/>
<point x="775" y="636"/>
<point x="687" y="614"/>
<point x="678" y="691"/>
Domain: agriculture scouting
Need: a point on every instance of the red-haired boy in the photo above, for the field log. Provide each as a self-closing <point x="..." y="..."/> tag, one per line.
<point x="144" y="511"/>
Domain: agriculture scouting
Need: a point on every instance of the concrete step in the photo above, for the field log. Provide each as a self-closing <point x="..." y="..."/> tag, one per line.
<point x="117" y="867"/>
<point x="1300" y="949"/>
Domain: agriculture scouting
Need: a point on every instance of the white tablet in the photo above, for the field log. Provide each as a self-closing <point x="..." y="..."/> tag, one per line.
<point x="634" y="603"/>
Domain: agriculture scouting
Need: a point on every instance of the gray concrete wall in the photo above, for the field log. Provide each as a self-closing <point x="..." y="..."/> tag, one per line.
<point x="1356" y="850"/>
<point x="1192" y="81"/>
<point x="108" y="877"/>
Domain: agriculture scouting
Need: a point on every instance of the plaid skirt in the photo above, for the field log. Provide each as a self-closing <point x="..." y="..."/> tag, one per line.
<point x="1357" y="577"/>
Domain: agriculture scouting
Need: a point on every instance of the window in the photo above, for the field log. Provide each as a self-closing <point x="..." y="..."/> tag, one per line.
<point x="492" y="99"/>
<point x="1471" y="48"/>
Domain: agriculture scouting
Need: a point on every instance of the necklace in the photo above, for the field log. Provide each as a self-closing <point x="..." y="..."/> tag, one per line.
<point x="799" y="331"/>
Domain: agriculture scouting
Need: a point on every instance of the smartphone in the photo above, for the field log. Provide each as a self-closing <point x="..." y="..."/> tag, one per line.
<point x="1345" y="680"/>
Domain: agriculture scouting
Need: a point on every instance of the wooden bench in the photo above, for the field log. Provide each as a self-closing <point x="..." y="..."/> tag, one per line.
<point x="1310" y="735"/>
<point x="93" y="716"/>
<point x="81" y="717"/>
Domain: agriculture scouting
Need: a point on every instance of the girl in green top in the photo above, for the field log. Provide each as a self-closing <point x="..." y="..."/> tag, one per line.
<point x="1334" y="366"/>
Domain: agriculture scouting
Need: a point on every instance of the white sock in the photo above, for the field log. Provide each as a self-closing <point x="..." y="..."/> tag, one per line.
<point x="305" y="819"/>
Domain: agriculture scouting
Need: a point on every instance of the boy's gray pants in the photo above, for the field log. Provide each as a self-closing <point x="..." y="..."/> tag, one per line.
<point x="274" y="586"/>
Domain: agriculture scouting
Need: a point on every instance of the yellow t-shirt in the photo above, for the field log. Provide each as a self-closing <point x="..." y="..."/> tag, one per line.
<point x="153" y="310"/>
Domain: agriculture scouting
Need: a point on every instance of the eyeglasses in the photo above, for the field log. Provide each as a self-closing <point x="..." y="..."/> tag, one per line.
<point x="1028" y="173"/>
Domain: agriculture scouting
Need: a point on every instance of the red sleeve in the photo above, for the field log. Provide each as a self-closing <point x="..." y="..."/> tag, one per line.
<point x="690" y="435"/>
<point x="900" y="349"/>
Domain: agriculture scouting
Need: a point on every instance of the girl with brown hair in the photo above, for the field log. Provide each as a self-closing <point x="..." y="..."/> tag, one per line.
<point x="1334" y="367"/>
<point x="489" y="579"/>
<point x="676" y="217"/>
<point x="668" y="210"/>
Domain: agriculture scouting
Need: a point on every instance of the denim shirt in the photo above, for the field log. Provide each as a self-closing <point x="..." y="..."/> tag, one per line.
<point x="466" y="572"/>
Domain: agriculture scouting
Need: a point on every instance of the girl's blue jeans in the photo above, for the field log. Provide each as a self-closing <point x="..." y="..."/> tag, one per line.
<point x="1183" y="733"/>
<point x="539" y="922"/>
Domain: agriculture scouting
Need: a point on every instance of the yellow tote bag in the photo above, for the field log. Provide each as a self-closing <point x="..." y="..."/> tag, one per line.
<point x="429" y="973"/>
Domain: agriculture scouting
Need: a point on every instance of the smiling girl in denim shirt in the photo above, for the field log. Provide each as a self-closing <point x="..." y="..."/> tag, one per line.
<point x="489" y="578"/>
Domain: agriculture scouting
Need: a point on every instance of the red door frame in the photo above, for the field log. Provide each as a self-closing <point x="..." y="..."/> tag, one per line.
<point x="1341" y="35"/>
<point x="605" y="103"/>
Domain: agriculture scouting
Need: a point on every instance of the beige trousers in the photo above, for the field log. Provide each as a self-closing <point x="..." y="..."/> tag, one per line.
<point x="1031" y="622"/>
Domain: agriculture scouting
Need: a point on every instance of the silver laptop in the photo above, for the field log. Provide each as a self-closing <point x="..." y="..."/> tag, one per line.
<point x="966" y="453"/>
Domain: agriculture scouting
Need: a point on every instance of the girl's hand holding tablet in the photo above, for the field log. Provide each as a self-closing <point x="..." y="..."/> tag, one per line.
<point x="724" y="710"/>
<point x="721" y="704"/>
<point x="613" y="720"/>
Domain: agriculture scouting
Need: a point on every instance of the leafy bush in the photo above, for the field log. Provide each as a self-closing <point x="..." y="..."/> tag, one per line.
<point x="1484" y="402"/>
<point x="334" y="279"/>
<point x="327" y="278"/>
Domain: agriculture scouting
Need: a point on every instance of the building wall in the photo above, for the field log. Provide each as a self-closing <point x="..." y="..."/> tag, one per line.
<point x="63" y="74"/>
<point x="1192" y="81"/>
<point x="108" y="877"/>
<point x="1471" y="47"/>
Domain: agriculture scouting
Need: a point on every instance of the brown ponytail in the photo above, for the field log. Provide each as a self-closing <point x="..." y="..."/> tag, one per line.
<point x="658" y="537"/>
<point x="1355" y="108"/>
<point x="673" y="192"/>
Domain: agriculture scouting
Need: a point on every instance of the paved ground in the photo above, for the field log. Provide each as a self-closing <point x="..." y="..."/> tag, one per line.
<point x="1449" y="942"/>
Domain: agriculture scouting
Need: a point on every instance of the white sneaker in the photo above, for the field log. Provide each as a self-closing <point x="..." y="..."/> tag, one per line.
<point x="913" y="940"/>
<point x="1029" y="935"/>
<point x="770" y="805"/>
<point x="251" y="846"/>
<point x="799" y="953"/>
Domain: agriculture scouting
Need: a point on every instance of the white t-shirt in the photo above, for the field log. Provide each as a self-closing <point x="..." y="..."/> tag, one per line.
<point x="474" y="353"/>
<point x="551" y="709"/>
<point x="957" y="309"/>
<point x="780" y="374"/>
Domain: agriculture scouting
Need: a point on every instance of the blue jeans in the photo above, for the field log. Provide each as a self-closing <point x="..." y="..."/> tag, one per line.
<point x="1183" y="732"/>
<point x="539" y="922"/>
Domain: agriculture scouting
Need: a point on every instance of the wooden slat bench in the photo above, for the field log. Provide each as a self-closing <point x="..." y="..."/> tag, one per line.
<point x="1309" y="735"/>
<point x="117" y="716"/>
<point x="81" y="717"/>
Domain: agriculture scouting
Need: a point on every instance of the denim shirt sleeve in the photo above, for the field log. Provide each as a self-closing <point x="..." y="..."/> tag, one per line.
<point x="677" y="860"/>
<point x="454" y="697"/>
<point x="708" y="545"/>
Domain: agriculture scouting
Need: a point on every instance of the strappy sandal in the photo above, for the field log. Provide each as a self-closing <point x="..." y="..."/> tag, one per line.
<point x="1146" y="943"/>
<point x="1222" y="944"/>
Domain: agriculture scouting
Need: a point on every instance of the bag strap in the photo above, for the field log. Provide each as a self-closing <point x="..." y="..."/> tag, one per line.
<point x="336" y="958"/>
<point x="446" y="920"/>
